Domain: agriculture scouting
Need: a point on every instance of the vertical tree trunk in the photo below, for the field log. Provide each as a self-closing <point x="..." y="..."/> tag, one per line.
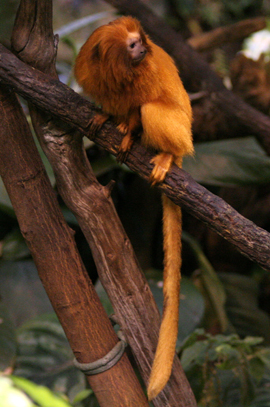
<point x="60" y="268"/>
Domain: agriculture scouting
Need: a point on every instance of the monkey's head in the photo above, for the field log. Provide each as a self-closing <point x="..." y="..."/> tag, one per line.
<point x="119" y="48"/>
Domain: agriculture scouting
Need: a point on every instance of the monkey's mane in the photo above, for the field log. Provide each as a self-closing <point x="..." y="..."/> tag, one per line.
<point x="106" y="68"/>
<point x="111" y="50"/>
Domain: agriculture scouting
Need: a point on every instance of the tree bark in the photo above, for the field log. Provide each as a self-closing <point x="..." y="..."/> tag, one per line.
<point x="60" y="268"/>
<point x="60" y="100"/>
<point x="116" y="263"/>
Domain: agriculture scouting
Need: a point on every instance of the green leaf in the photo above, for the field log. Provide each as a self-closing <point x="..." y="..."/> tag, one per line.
<point x="252" y="340"/>
<point x="262" y="393"/>
<point x="199" y="333"/>
<point x="229" y="162"/>
<point x="229" y="356"/>
<point x="40" y="394"/>
<point x="212" y="286"/>
<point x="242" y="306"/>
<point x="247" y="386"/>
<point x="82" y="395"/>
<point x="257" y="368"/>
<point x="12" y="397"/>
<point x="194" y="354"/>
<point x="264" y="355"/>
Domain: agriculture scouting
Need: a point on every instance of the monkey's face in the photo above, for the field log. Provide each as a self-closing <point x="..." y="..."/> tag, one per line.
<point x="135" y="48"/>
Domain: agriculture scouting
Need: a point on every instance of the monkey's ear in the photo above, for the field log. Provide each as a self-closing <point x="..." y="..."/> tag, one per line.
<point x="96" y="51"/>
<point x="143" y="36"/>
<point x="145" y="41"/>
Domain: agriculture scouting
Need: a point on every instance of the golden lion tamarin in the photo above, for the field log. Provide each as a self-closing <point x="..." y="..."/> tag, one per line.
<point x="137" y="83"/>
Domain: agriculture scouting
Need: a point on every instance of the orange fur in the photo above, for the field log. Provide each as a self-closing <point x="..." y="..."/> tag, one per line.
<point x="148" y="93"/>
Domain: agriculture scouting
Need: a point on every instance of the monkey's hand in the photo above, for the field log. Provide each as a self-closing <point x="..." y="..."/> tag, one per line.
<point x="97" y="122"/>
<point x="162" y="164"/>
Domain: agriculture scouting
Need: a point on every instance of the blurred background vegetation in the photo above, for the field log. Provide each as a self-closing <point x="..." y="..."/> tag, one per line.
<point x="224" y="326"/>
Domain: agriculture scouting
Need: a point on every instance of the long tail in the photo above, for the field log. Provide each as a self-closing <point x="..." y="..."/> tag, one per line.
<point x="162" y="365"/>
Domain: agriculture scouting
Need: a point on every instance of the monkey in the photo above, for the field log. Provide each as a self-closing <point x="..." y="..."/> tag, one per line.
<point x="137" y="84"/>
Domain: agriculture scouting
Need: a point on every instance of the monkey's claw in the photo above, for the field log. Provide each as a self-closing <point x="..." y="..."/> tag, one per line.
<point x="162" y="162"/>
<point x="157" y="175"/>
<point x="97" y="122"/>
<point x="124" y="148"/>
<point x="122" y="156"/>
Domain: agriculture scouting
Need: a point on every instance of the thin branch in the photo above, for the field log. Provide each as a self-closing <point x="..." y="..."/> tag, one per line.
<point x="222" y="35"/>
<point x="60" y="100"/>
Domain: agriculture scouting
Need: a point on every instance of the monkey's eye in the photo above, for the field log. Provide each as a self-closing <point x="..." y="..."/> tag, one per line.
<point x="132" y="45"/>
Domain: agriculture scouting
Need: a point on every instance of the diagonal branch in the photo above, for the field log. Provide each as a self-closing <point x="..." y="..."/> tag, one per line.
<point x="230" y="33"/>
<point x="58" y="99"/>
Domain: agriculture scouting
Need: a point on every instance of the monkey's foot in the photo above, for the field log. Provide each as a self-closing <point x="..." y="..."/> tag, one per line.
<point x="163" y="163"/>
<point x="97" y="122"/>
<point x="124" y="148"/>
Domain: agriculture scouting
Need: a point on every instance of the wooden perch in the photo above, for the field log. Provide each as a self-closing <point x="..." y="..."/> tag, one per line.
<point x="117" y="266"/>
<point x="61" y="101"/>
<point x="222" y="35"/>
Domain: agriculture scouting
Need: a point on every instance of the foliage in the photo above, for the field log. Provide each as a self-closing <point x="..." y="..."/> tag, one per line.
<point x="226" y="370"/>
<point x="229" y="163"/>
<point x="39" y="394"/>
<point x="39" y="351"/>
<point x="16" y="391"/>
<point x="10" y="396"/>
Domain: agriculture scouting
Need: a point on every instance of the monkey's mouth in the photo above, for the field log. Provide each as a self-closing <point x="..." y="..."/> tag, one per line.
<point x="138" y="59"/>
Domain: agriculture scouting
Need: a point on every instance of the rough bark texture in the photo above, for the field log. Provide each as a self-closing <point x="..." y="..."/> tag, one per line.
<point x="118" y="269"/>
<point x="60" y="268"/>
<point x="53" y="96"/>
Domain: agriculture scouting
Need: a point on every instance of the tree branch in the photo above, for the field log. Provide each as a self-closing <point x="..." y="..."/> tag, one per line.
<point x="222" y="35"/>
<point x="61" y="101"/>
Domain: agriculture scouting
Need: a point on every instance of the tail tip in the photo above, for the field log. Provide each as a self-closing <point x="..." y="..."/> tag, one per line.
<point x="155" y="387"/>
<point x="152" y="392"/>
